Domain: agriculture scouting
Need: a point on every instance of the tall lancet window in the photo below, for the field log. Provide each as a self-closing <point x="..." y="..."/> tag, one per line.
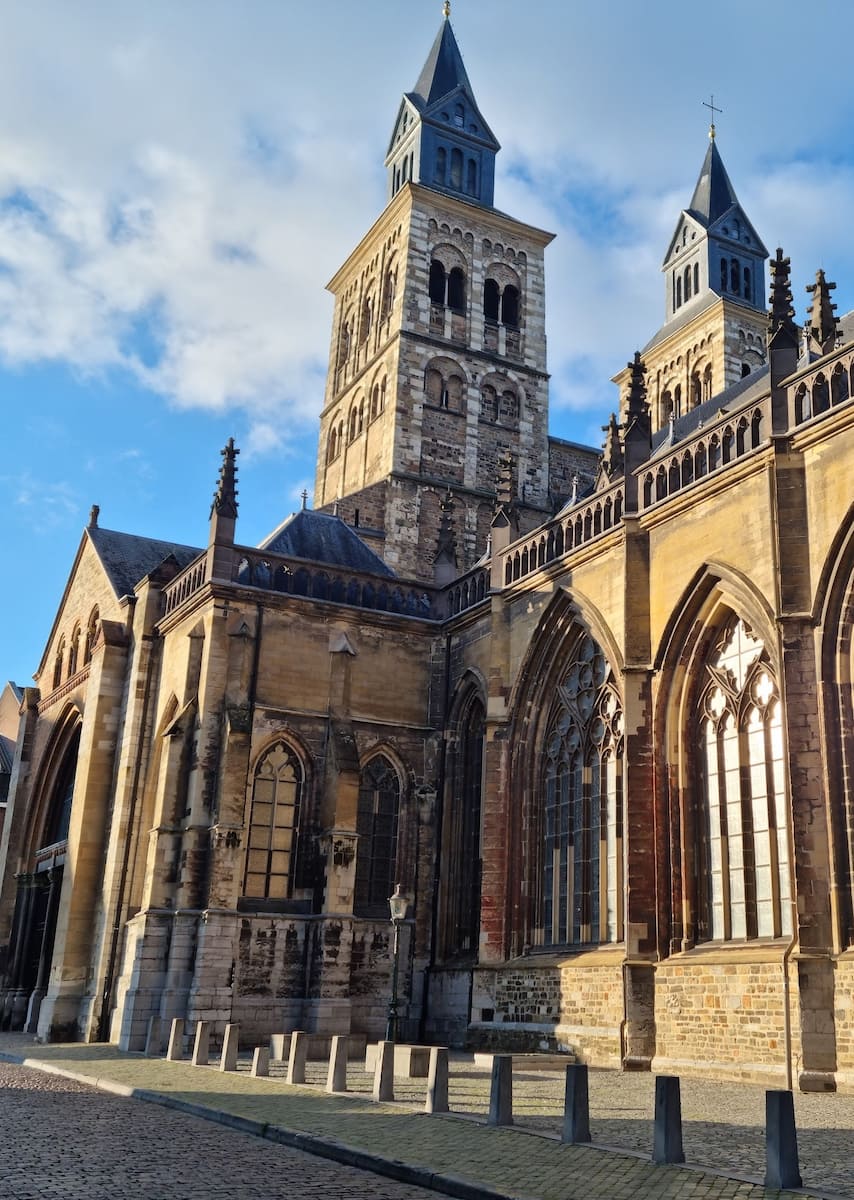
<point x="273" y="822"/>
<point x="744" y="880"/>
<point x="376" y="825"/>
<point x="582" y="877"/>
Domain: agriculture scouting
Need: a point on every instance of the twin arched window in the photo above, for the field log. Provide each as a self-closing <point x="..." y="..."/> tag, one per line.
<point x="447" y="288"/>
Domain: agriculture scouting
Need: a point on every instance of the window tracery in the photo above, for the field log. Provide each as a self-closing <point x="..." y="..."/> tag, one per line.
<point x="582" y="804"/>
<point x="376" y="824"/>
<point x="274" y="812"/>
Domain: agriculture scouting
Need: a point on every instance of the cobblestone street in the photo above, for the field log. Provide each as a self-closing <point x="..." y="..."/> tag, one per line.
<point x="62" y="1139"/>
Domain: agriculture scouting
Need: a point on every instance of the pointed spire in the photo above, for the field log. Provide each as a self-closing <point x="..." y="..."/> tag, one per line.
<point x="636" y="406"/>
<point x="443" y="72"/>
<point x="612" y="454"/>
<point x="823" y="325"/>
<point x="714" y="194"/>
<point x="781" y="311"/>
<point x="225" y="496"/>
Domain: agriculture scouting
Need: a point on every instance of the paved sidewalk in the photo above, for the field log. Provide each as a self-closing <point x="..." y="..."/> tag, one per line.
<point x="456" y="1155"/>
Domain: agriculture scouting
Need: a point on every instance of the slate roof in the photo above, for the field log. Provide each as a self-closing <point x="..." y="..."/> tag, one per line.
<point x="7" y="754"/>
<point x="127" y="558"/>
<point x="323" y="538"/>
<point x="714" y="194"/>
<point x="443" y="71"/>
<point x="735" y="397"/>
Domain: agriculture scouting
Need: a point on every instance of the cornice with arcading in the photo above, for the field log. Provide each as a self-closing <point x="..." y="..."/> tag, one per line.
<point x="64" y="689"/>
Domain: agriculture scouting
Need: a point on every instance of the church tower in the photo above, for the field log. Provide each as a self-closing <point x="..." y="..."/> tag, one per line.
<point x="715" y="322"/>
<point x="437" y="367"/>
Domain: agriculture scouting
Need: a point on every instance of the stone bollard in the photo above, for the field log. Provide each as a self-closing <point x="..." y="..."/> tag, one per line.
<point x="261" y="1061"/>
<point x="437" y="1081"/>
<point x="297" y="1057"/>
<point x="278" y="1042"/>
<point x="384" y="1072"/>
<point x="154" y="1037"/>
<point x="667" y="1136"/>
<point x="501" y="1091"/>
<point x="576" y="1109"/>
<point x="336" y="1079"/>
<point x="781" y="1141"/>
<point x="228" y="1059"/>
<point x="175" y="1050"/>
<point x="202" y="1044"/>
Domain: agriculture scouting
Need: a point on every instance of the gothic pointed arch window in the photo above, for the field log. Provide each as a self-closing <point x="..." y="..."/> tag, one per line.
<point x="743" y="870"/>
<point x="58" y="816"/>
<point x="58" y="661"/>
<point x="273" y="822"/>
<point x="461" y="836"/>
<point x="582" y="804"/>
<point x="377" y="821"/>
<point x="74" y="650"/>
<point x="696" y="278"/>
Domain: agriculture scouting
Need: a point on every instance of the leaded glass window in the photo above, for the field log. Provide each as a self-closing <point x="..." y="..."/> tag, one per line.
<point x="273" y="822"/>
<point x="744" y="863"/>
<point x="376" y="825"/>
<point x="583" y="835"/>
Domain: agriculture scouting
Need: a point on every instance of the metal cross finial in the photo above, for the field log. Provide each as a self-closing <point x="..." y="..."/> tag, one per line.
<point x="446" y="9"/>
<point x="304" y="495"/>
<point x="710" y="104"/>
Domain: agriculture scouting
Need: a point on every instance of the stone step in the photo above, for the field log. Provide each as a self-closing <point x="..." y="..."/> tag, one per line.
<point x="528" y="1062"/>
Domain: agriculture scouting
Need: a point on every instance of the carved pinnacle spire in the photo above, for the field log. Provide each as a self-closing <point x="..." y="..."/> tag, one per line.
<point x="225" y="496"/>
<point x="824" y="327"/>
<point x="504" y="489"/>
<point x="612" y="454"/>
<point x="781" y="311"/>
<point x="636" y="405"/>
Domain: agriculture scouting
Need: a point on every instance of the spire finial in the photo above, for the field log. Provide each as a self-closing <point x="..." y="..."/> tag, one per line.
<point x="304" y="498"/>
<point x="225" y="496"/>
<point x="710" y="104"/>
<point x="446" y="9"/>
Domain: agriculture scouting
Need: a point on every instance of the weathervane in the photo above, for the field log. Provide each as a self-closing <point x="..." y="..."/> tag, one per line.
<point x="707" y="104"/>
<point x="446" y="9"/>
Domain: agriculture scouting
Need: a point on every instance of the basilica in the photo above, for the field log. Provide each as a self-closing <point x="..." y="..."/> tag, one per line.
<point x="590" y="708"/>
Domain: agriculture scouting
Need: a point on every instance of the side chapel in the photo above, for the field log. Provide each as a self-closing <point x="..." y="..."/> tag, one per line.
<point x="593" y="710"/>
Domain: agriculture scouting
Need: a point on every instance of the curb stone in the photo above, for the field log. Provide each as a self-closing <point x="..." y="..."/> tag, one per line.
<point x="391" y="1168"/>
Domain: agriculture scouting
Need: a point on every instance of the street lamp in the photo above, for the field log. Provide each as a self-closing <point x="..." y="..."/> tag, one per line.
<point x="398" y="904"/>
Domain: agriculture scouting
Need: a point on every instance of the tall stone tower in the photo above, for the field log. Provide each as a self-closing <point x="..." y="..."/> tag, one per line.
<point x="715" y="323"/>
<point x="437" y="368"/>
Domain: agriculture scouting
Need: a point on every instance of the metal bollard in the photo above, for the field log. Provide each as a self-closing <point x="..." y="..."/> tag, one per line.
<point x="781" y="1141"/>
<point x="667" y="1136"/>
<point x="576" y="1110"/>
<point x="501" y="1091"/>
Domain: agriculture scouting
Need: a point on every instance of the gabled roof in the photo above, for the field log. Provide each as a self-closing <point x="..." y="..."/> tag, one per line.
<point x="325" y="539"/>
<point x="714" y="194"/>
<point x="127" y="558"/>
<point x="443" y="71"/>
<point x="735" y="397"/>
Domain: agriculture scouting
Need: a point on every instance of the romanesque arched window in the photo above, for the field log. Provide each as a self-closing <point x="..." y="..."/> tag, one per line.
<point x="437" y="282"/>
<point x="696" y="278"/>
<point x="457" y="169"/>
<point x="582" y="804"/>
<point x="491" y="299"/>
<point x="457" y="289"/>
<point x="510" y="306"/>
<point x="441" y="164"/>
<point x="743" y="877"/>
<point x="274" y="810"/>
<point x="376" y="825"/>
<point x="91" y="634"/>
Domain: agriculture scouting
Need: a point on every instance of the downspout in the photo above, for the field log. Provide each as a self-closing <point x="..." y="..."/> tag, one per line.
<point x="109" y="978"/>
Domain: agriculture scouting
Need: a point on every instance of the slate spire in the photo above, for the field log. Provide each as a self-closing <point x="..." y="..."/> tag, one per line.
<point x="440" y="138"/>
<point x="714" y="194"/>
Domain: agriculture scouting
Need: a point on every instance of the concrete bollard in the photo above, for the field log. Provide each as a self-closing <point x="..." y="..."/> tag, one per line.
<point x="336" y="1079"/>
<point x="261" y="1061"/>
<point x="437" y="1081"/>
<point x="781" y="1141"/>
<point x="228" y="1059"/>
<point x="667" y="1136"/>
<point x="202" y="1044"/>
<point x="175" y="1050"/>
<point x="154" y="1037"/>
<point x="576" y="1109"/>
<point x="278" y="1042"/>
<point x="501" y="1091"/>
<point x="297" y="1057"/>
<point x="384" y="1072"/>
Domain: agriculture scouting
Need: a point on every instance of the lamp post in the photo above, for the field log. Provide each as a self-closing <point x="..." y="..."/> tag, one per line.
<point x="398" y="905"/>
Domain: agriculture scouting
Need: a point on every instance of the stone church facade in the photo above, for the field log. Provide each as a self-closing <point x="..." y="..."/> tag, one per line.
<point x="592" y="710"/>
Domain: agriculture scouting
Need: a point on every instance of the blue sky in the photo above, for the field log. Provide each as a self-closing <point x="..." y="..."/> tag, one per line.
<point x="178" y="183"/>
